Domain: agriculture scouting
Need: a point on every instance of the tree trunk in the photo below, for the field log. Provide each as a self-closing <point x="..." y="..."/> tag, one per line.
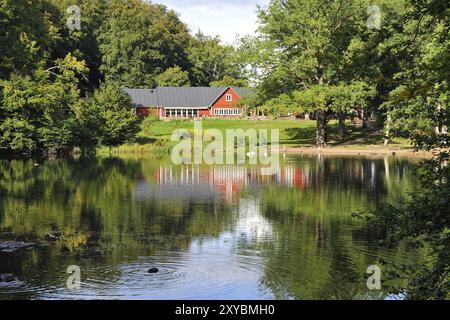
<point x="341" y="126"/>
<point x="387" y="131"/>
<point x="321" y="134"/>
<point x="441" y="128"/>
<point x="307" y="116"/>
<point x="321" y="115"/>
<point x="365" y="119"/>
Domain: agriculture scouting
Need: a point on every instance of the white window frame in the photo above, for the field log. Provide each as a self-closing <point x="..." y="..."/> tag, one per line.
<point x="229" y="97"/>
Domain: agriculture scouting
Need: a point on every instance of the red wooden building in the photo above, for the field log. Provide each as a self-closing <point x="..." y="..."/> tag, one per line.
<point x="189" y="102"/>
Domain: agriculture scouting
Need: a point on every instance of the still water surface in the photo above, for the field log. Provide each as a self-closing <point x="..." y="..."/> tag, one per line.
<point x="214" y="232"/>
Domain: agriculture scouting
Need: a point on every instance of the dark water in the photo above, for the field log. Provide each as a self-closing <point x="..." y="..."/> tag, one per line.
<point x="223" y="232"/>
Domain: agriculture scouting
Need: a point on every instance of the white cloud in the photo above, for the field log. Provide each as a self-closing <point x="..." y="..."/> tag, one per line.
<point x="223" y="18"/>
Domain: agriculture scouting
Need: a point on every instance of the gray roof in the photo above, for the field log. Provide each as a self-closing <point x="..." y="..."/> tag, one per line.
<point x="143" y="97"/>
<point x="183" y="97"/>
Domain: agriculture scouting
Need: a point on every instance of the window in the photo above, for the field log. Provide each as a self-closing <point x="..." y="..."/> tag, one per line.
<point x="229" y="97"/>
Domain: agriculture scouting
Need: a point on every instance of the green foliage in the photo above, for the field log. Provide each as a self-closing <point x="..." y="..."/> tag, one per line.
<point x="173" y="77"/>
<point x="147" y="125"/>
<point x="116" y="120"/>
<point x="139" y="40"/>
<point x="83" y="44"/>
<point x="41" y="112"/>
<point x="212" y="62"/>
<point x="321" y="57"/>
<point x="229" y="81"/>
<point x="302" y="50"/>
<point x="419" y="108"/>
<point x="423" y="222"/>
<point x="25" y="33"/>
<point x="17" y="135"/>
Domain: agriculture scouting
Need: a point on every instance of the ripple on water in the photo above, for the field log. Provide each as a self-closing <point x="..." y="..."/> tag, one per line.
<point x="224" y="268"/>
<point x="207" y="269"/>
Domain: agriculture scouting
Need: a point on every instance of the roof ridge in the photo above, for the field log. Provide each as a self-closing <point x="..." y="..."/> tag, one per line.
<point x="180" y="97"/>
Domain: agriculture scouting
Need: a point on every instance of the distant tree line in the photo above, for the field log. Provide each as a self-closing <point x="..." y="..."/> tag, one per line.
<point x="61" y="87"/>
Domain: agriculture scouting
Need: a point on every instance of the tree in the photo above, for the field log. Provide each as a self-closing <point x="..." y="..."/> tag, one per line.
<point x="419" y="106"/>
<point x="173" y="77"/>
<point x="211" y="61"/>
<point x="17" y="135"/>
<point x="309" y="39"/>
<point x="140" y="40"/>
<point x="116" y="120"/>
<point x="41" y="112"/>
<point x="83" y="43"/>
<point x="228" y="81"/>
<point x="26" y="30"/>
<point x="346" y="98"/>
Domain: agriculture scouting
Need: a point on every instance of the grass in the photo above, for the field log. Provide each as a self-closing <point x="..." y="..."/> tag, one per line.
<point x="156" y="139"/>
<point x="293" y="133"/>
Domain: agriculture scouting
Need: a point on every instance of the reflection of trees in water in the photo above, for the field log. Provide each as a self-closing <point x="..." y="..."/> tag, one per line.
<point x="319" y="251"/>
<point x="111" y="212"/>
<point x="90" y="202"/>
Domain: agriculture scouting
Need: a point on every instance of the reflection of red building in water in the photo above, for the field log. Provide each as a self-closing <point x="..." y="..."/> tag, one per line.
<point x="220" y="181"/>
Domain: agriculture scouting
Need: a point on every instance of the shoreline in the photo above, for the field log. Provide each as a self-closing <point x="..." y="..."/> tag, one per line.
<point x="373" y="150"/>
<point x="369" y="150"/>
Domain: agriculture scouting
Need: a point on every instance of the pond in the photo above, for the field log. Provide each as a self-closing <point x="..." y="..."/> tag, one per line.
<point x="213" y="232"/>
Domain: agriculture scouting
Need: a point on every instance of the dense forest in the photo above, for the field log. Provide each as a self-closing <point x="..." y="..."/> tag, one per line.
<point x="61" y="87"/>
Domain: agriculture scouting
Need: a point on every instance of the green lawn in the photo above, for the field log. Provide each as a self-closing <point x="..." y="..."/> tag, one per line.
<point x="293" y="133"/>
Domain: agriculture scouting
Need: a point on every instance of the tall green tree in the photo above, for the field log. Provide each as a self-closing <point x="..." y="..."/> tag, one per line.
<point x="173" y="77"/>
<point x="140" y="40"/>
<point x="309" y="39"/>
<point x="113" y="113"/>
<point x="212" y="61"/>
<point x="41" y="112"/>
<point x="419" y="106"/>
<point x="26" y="33"/>
<point x="83" y="43"/>
<point x="329" y="43"/>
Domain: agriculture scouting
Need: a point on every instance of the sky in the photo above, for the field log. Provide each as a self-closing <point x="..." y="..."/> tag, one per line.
<point x="224" y="18"/>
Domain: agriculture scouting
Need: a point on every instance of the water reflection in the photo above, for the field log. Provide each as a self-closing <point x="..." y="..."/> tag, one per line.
<point x="217" y="232"/>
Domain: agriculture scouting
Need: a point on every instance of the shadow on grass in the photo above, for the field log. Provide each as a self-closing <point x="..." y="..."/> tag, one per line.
<point x="354" y="136"/>
<point x="145" y="140"/>
<point x="300" y="136"/>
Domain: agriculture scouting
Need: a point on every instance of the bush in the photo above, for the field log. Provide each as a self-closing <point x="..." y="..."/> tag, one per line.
<point x="147" y="123"/>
